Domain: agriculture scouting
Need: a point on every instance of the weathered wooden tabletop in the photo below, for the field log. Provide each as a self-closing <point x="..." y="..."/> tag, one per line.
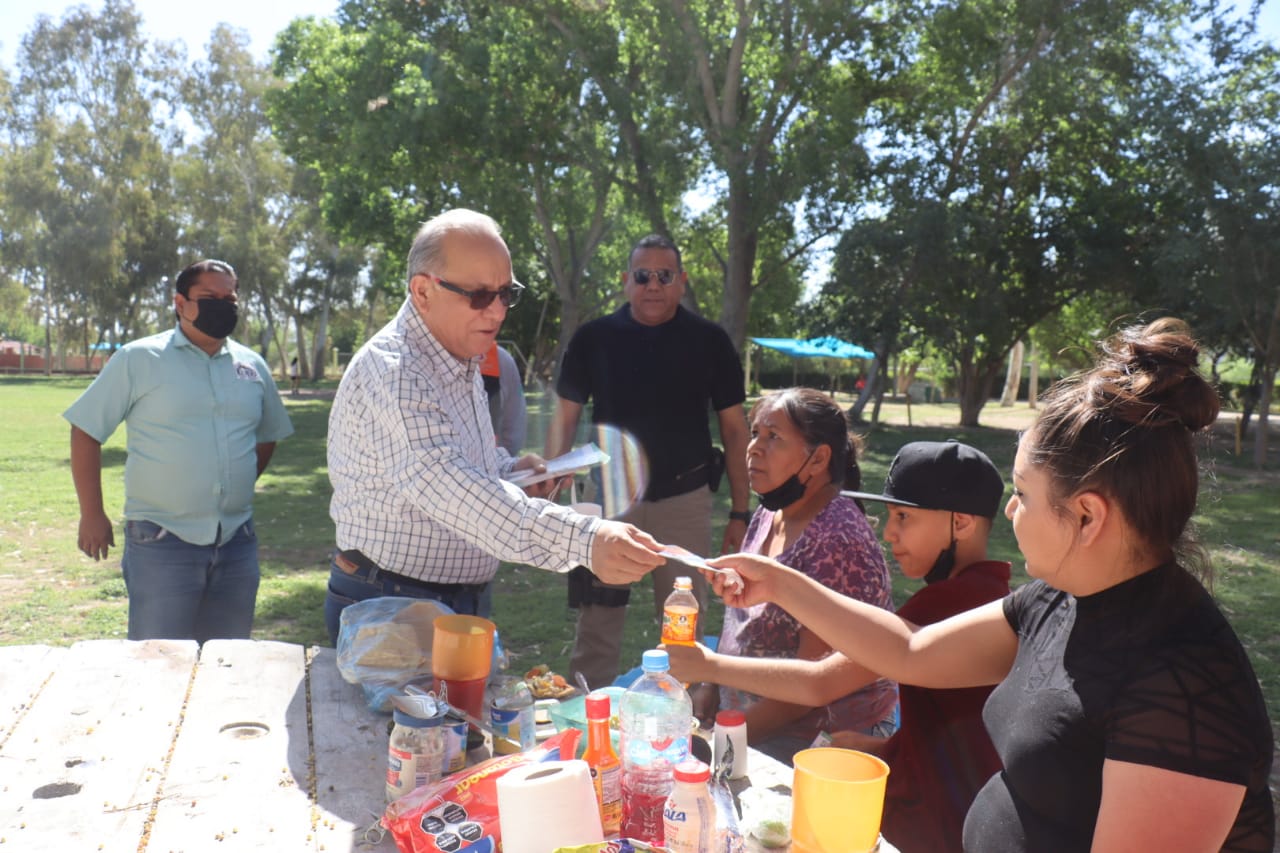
<point x="245" y="745"/>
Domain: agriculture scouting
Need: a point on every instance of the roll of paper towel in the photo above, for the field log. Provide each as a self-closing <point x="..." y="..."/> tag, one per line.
<point x="548" y="805"/>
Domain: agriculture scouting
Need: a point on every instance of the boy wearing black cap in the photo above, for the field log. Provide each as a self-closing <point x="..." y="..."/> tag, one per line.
<point x="942" y="498"/>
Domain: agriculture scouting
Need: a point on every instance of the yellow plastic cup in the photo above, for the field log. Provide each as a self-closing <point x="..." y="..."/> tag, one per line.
<point x="461" y="647"/>
<point x="837" y="797"/>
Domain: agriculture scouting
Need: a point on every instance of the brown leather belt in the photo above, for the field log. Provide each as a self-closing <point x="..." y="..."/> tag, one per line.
<point x="355" y="563"/>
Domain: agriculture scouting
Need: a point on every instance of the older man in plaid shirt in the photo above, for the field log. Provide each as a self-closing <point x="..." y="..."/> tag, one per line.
<point x="419" y="500"/>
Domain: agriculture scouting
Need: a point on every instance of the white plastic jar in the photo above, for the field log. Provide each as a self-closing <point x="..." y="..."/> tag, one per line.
<point x="689" y="818"/>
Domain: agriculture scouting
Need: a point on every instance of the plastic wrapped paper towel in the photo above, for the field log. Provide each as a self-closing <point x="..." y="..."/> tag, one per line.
<point x="545" y="806"/>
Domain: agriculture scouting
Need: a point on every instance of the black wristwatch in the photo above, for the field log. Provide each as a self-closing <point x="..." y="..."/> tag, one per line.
<point x="740" y="515"/>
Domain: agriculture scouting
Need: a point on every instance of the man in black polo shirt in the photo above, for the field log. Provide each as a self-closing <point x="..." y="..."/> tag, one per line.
<point x="652" y="368"/>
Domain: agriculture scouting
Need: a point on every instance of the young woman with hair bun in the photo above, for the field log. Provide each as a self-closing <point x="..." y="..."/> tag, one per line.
<point x="1126" y="713"/>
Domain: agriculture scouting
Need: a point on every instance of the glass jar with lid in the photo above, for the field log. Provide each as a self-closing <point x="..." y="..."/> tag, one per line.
<point x="416" y="752"/>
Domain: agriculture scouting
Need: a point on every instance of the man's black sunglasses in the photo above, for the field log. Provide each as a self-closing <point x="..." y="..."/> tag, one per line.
<point x="641" y="276"/>
<point x="481" y="299"/>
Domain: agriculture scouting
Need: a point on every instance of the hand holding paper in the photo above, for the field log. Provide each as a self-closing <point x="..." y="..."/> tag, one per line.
<point x="682" y="555"/>
<point x="578" y="459"/>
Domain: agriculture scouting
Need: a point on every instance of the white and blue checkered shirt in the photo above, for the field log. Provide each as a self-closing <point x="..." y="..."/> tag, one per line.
<point x="415" y="469"/>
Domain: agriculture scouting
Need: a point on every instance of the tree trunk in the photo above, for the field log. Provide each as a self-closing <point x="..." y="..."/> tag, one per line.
<point x="741" y="260"/>
<point x="1013" y="376"/>
<point x="532" y="365"/>
<point x="369" y="315"/>
<point x="321" y="341"/>
<point x="319" y="345"/>
<point x="278" y="335"/>
<point x="48" y="324"/>
<point x="1264" y="415"/>
<point x="975" y="382"/>
<point x="300" y="336"/>
<point x="1033" y="383"/>
<point x="873" y="372"/>
<point x="906" y="377"/>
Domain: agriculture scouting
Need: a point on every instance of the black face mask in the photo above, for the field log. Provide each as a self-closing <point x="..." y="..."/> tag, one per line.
<point x="946" y="561"/>
<point x="942" y="566"/>
<point x="788" y="493"/>
<point x="217" y="317"/>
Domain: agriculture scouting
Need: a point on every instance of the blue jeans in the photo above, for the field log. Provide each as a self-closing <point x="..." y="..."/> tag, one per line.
<point x="347" y="589"/>
<point x="180" y="591"/>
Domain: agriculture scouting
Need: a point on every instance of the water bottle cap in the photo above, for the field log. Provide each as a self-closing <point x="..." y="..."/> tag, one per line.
<point x="597" y="706"/>
<point x="692" y="770"/>
<point x="683" y="582"/>
<point x="655" y="660"/>
<point x="730" y="718"/>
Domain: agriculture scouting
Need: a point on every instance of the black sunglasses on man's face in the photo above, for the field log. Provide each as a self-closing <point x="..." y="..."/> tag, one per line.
<point x="481" y="299"/>
<point x="641" y="276"/>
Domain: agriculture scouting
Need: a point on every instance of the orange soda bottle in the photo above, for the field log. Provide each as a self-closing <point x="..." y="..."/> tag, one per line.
<point x="680" y="615"/>
<point x="605" y="766"/>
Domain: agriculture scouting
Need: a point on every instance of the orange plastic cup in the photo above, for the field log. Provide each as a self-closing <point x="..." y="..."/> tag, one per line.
<point x="461" y="647"/>
<point x="837" y="797"/>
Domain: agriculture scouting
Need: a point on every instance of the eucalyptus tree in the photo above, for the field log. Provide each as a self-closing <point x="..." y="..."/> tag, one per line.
<point x="1216" y="160"/>
<point x="1008" y="163"/>
<point x="864" y="297"/>
<point x="235" y="182"/>
<point x="403" y="110"/>
<point x="779" y="95"/>
<point x="773" y="96"/>
<point x="96" y="210"/>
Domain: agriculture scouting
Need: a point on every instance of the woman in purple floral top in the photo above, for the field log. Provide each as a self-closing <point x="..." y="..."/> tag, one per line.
<point x="800" y="456"/>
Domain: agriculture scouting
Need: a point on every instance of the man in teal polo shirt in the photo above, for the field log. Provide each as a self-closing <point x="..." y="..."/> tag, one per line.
<point x="203" y="418"/>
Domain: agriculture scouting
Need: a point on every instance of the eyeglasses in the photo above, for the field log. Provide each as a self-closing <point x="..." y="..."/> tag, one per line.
<point x="481" y="299"/>
<point x="642" y="276"/>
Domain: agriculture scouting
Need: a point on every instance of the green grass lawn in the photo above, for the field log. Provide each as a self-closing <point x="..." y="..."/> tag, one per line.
<point x="51" y="593"/>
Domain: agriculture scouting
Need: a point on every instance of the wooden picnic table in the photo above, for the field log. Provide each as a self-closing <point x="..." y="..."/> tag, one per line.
<point x="112" y="745"/>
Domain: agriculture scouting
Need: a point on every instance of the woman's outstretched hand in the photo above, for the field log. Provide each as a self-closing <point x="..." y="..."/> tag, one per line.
<point x="745" y="579"/>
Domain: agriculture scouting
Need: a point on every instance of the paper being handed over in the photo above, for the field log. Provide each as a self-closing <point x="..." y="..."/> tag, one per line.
<point x="682" y="555"/>
<point x="578" y="459"/>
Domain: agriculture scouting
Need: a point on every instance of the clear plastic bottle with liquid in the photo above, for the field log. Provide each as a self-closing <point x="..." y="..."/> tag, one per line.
<point x="656" y="725"/>
<point x="680" y="615"/>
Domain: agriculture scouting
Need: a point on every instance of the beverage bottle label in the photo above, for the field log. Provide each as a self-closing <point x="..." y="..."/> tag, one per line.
<point x="679" y="624"/>
<point x="608" y="784"/>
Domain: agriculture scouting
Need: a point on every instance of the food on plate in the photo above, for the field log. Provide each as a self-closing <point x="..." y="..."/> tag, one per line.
<point x="545" y="684"/>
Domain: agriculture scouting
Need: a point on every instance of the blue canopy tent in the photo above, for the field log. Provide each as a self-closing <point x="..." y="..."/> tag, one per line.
<point x="827" y="347"/>
<point x="824" y="347"/>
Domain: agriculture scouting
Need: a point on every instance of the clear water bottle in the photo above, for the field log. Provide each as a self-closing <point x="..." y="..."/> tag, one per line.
<point x="657" y="722"/>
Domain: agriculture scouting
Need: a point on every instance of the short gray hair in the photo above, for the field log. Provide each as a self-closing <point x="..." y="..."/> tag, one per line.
<point x="426" y="255"/>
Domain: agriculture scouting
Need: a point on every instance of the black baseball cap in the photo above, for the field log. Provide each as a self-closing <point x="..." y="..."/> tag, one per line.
<point x="946" y="475"/>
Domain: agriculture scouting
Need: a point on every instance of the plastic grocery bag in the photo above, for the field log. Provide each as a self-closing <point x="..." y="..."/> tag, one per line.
<point x="385" y="643"/>
<point x="766" y="814"/>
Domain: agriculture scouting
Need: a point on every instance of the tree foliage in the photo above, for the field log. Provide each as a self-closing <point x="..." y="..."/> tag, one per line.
<point x="1214" y="158"/>
<point x="1007" y="175"/>
<point x="89" y="221"/>
<point x="976" y="171"/>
